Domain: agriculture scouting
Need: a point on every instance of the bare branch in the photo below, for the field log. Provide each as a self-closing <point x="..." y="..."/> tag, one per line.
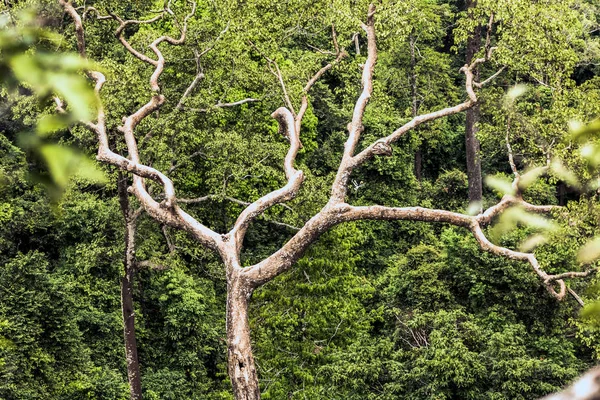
<point x="341" y="54"/>
<point x="356" y="44"/>
<point x="286" y="193"/>
<point x="511" y="159"/>
<point x="565" y="275"/>
<point x="479" y="85"/>
<point x="199" y="76"/>
<point x="224" y="105"/>
<point x="168" y="212"/>
<point x="576" y="297"/>
<point x="355" y="128"/>
<point x="277" y="73"/>
<point x="79" y="32"/>
<point x="170" y="244"/>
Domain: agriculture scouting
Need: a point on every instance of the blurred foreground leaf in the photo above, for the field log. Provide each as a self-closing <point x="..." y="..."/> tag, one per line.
<point x="65" y="163"/>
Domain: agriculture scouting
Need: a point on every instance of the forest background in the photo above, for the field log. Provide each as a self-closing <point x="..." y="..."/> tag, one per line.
<point x="373" y="310"/>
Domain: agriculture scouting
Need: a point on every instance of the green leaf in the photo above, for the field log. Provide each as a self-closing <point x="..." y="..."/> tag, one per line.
<point x="590" y="252"/>
<point x="529" y="177"/>
<point x="564" y="174"/>
<point x="52" y="123"/>
<point x="500" y="184"/>
<point x="64" y="163"/>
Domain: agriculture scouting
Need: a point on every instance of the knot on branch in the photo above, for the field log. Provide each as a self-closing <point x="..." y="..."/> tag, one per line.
<point x="381" y="148"/>
<point x="286" y="123"/>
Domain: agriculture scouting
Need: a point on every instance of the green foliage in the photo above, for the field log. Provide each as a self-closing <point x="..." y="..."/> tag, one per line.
<point x="26" y="64"/>
<point x="374" y="310"/>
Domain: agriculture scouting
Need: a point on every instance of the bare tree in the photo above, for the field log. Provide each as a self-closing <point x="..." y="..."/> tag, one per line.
<point x="242" y="281"/>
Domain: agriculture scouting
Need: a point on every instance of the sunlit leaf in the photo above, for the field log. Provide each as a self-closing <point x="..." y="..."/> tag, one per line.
<point x="474" y="208"/>
<point x="64" y="163"/>
<point x="590" y="252"/>
<point x="528" y="178"/>
<point x="502" y="185"/>
<point x="532" y="242"/>
<point x="564" y="174"/>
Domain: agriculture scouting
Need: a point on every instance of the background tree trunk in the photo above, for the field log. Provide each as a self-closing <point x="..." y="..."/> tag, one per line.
<point x="472" y="119"/>
<point x="131" y="356"/>
<point x="415" y="102"/>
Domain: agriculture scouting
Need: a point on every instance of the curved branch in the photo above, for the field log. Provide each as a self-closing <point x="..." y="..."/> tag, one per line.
<point x="355" y="128"/>
<point x="289" y="191"/>
<point x="168" y="212"/>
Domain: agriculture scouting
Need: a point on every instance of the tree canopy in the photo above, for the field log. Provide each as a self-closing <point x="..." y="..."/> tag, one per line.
<point x="230" y="102"/>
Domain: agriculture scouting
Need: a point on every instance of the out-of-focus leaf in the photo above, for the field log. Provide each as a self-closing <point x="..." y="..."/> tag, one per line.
<point x="502" y="185"/>
<point x="591" y="153"/>
<point x="536" y="221"/>
<point x="474" y="208"/>
<point x="26" y="69"/>
<point x="532" y="242"/>
<point x="564" y="174"/>
<point x="76" y="91"/>
<point x="590" y="252"/>
<point x="515" y="92"/>
<point x="64" y="163"/>
<point x="583" y="132"/>
<point x="52" y="123"/>
<point x="591" y="312"/>
<point x="528" y="178"/>
<point x="514" y="216"/>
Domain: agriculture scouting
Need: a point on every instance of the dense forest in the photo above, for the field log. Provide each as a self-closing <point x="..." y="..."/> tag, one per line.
<point x="298" y="199"/>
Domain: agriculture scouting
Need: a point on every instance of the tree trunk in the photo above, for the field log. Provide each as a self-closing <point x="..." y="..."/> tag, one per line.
<point x="241" y="367"/>
<point x="131" y="356"/>
<point x="133" y="367"/>
<point x="415" y="101"/>
<point x="472" y="119"/>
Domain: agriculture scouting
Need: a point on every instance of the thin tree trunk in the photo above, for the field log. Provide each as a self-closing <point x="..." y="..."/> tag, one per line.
<point x="241" y="366"/>
<point x="415" y="101"/>
<point x="131" y="356"/>
<point x="472" y="119"/>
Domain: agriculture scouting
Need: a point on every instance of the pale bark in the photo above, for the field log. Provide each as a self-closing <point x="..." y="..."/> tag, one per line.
<point x="585" y="388"/>
<point x="241" y="366"/>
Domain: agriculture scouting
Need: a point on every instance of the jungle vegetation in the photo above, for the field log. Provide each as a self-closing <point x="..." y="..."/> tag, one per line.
<point x="244" y="199"/>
